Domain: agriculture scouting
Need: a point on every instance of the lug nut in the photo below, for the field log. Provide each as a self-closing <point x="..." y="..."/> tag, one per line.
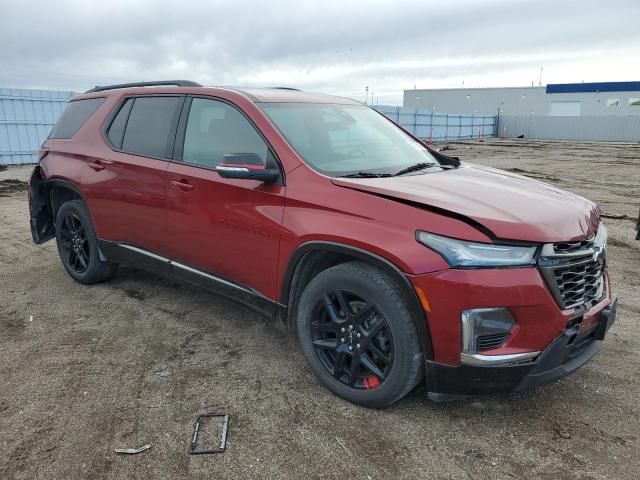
<point x="358" y="334"/>
<point x="357" y="345"/>
<point x="350" y="327"/>
<point x="342" y="339"/>
<point x="342" y="330"/>
<point x="350" y="348"/>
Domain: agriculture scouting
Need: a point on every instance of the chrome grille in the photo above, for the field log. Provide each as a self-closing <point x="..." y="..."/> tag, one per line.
<point x="571" y="247"/>
<point x="574" y="271"/>
<point x="580" y="282"/>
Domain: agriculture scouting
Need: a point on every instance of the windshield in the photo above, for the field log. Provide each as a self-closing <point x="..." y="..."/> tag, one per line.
<point x="340" y="140"/>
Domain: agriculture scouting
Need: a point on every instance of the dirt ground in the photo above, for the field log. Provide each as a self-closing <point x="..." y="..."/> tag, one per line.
<point x="84" y="370"/>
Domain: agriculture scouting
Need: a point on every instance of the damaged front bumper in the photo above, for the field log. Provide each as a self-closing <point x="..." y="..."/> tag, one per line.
<point x="568" y="352"/>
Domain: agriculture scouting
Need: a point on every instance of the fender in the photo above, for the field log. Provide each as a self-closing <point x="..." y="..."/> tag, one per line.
<point x="419" y="317"/>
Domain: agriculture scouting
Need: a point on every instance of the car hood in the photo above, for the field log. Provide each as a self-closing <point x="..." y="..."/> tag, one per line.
<point x="510" y="206"/>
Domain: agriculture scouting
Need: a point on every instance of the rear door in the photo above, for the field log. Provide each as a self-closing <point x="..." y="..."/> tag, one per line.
<point x="128" y="198"/>
<point x="228" y="228"/>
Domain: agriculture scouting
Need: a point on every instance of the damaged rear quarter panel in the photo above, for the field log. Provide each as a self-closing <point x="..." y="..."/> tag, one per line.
<point x="42" y="220"/>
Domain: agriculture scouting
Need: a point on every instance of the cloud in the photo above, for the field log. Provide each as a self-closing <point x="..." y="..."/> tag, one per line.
<point x="331" y="46"/>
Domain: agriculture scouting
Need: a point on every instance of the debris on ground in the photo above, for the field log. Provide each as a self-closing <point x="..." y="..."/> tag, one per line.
<point x="195" y="449"/>
<point x="344" y="447"/>
<point x="133" y="451"/>
<point x="11" y="185"/>
<point x="472" y="455"/>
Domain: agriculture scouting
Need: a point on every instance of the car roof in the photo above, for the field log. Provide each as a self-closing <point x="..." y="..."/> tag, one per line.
<point x="289" y="95"/>
<point x="256" y="95"/>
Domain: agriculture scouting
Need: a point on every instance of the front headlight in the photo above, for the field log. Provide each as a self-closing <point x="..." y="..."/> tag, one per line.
<point x="459" y="253"/>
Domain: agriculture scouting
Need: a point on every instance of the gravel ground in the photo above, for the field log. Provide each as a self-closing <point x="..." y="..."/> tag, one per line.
<point x="84" y="370"/>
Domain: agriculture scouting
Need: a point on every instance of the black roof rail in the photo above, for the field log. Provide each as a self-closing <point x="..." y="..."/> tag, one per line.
<point x="177" y="83"/>
<point x="287" y="88"/>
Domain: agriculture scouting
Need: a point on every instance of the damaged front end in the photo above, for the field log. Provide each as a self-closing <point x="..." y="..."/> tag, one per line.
<point x="42" y="218"/>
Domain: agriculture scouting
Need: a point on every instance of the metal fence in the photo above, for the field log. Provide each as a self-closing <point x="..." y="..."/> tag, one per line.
<point x="587" y="128"/>
<point x="429" y="125"/>
<point x="26" y="117"/>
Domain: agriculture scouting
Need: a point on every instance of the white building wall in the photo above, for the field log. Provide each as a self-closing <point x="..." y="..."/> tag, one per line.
<point x="521" y="101"/>
<point x="594" y="128"/>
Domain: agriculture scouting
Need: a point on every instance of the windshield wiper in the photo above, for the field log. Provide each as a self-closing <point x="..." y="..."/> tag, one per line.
<point x="366" y="175"/>
<point x="415" y="168"/>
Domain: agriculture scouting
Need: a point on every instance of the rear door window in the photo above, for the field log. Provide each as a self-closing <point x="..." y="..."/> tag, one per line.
<point x="150" y="130"/>
<point x="74" y="116"/>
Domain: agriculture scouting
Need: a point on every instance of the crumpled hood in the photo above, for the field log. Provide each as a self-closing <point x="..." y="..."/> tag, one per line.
<point x="510" y="206"/>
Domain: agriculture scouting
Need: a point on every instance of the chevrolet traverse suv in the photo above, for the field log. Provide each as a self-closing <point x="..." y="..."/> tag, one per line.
<point x="394" y="263"/>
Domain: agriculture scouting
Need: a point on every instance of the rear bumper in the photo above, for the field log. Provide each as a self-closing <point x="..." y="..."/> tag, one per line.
<point x="568" y="352"/>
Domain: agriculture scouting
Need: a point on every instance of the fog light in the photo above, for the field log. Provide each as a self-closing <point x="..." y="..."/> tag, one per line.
<point x="485" y="329"/>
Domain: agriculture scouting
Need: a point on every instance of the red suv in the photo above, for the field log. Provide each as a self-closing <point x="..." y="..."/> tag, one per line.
<point x="394" y="263"/>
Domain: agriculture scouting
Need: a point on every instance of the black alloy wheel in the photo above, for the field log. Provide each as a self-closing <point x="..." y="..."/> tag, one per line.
<point x="78" y="245"/>
<point x="357" y="333"/>
<point x="352" y="339"/>
<point x="75" y="244"/>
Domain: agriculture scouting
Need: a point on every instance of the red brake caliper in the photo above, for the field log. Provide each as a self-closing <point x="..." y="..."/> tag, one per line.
<point x="370" y="382"/>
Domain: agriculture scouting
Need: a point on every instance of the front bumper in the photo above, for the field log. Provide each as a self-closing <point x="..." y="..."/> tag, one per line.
<point x="568" y="352"/>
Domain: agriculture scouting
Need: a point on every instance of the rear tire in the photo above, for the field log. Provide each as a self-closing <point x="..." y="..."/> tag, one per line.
<point x="78" y="245"/>
<point x="357" y="335"/>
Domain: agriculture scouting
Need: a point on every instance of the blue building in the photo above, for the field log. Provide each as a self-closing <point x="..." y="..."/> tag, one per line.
<point x="26" y="117"/>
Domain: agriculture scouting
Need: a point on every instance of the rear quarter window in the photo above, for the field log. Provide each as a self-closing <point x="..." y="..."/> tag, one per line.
<point x="74" y="116"/>
<point x="116" y="129"/>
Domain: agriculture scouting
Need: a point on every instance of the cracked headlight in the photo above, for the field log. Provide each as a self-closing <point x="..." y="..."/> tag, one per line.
<point x="460" y="253"/>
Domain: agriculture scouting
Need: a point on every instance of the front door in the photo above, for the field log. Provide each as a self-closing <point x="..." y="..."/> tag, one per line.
<point x="228" y="228"/>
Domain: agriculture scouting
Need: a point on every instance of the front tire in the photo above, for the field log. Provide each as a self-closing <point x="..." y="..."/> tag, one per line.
<point x="357" y="335"/>
<point x="78" y="245"/>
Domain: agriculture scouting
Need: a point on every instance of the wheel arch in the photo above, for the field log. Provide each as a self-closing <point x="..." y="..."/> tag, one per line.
<point x="312" y="257"/>
<point x="61" y="191"/>
<point x="47" y="195"/>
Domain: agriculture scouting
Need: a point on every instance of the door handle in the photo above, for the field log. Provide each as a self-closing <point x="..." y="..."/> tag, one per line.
<point x="97" y="166"/>
<point x="181" y="185"/>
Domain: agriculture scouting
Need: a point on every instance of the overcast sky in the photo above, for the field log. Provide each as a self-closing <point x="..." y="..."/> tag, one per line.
<point x="326" y="46"/>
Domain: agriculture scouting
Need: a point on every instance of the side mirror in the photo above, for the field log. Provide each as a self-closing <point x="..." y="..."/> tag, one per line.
<point x="248" y="166"/>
